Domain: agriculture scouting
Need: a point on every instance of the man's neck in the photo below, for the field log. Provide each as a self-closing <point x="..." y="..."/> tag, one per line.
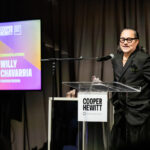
<point x="126" y="55"/>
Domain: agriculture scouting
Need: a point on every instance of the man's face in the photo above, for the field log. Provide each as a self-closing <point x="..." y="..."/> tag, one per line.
<point x="128" y="41"/>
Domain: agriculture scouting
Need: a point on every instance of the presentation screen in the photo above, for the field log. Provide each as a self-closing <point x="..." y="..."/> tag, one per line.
<point x="20" y="55"/>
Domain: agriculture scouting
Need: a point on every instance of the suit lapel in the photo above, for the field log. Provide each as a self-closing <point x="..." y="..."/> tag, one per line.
<point x="118" y="63"/>
<point x="127" y="65"/>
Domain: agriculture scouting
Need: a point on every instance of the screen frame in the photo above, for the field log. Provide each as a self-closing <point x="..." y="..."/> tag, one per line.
<point x="41" y="83"/>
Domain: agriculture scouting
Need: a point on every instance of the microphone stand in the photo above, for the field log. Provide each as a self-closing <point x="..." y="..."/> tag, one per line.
<point x="53" y="61"/>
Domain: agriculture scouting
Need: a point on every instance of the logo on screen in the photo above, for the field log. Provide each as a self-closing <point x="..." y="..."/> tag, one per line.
<point x="17" y="30"/>
<point x="6" y="30"/>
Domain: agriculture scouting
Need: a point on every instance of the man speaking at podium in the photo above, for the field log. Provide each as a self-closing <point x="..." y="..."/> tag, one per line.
<point x="131" y="66"/>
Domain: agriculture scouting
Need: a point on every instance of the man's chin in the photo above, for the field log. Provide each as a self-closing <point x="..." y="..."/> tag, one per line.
<point x="126" y="50"/>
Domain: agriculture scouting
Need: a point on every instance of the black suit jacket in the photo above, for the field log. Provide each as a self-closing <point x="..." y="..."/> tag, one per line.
<point x="135" y="107"/>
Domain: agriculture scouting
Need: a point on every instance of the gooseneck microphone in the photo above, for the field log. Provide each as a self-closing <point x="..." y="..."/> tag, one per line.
<point x="105" y="58"/>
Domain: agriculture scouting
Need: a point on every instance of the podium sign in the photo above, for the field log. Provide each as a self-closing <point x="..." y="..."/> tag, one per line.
<point x="92" y="106"/>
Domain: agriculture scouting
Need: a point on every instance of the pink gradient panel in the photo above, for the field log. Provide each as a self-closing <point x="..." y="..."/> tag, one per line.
<point x="20" y="55"/>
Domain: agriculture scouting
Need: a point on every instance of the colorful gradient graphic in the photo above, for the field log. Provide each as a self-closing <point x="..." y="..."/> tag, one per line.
<point x="20" y="55"/>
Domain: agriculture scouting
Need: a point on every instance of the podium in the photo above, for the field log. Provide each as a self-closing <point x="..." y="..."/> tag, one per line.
<point x="86" y="88"/>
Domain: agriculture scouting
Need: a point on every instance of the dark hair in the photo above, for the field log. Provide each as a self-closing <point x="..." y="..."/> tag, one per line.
<point x="136" y="34"/>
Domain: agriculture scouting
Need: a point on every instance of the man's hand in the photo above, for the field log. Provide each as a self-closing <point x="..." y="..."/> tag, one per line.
<point x="95" y="79"/>
<point x="71" y="93"/>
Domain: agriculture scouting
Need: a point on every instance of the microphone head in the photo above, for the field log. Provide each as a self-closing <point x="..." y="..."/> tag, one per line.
<point x="105" y="58"/>
<point x="112" y="55"/>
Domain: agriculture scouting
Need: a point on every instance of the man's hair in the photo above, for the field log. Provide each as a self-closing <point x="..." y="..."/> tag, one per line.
<point x="136" y="34"/>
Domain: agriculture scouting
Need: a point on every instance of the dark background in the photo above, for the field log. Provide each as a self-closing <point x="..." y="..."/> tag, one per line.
<point x="70" y="28"/>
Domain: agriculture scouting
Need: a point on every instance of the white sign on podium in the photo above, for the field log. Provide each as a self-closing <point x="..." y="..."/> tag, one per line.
<point x="92" y="106"/>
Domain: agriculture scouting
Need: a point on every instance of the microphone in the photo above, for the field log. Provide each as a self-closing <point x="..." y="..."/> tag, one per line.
<point x="110" y="56"/>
